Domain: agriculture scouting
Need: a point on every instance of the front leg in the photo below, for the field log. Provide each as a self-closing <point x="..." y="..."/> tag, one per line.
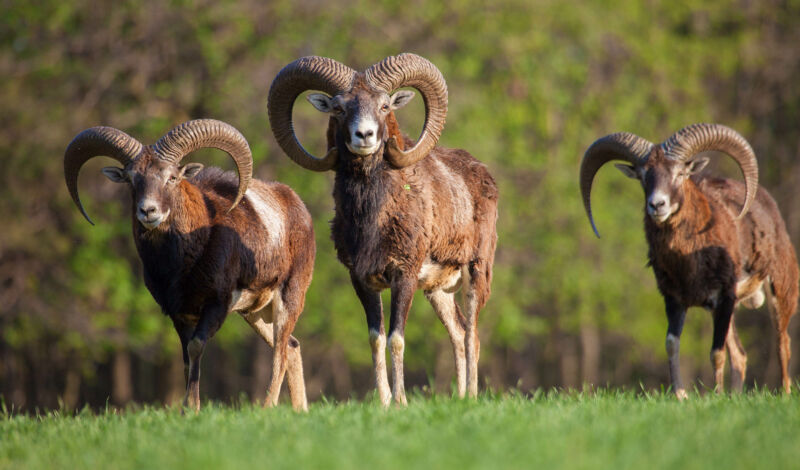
<point x="723" y="312"/>
<point x="402" y="294"/>
<point x="211" y="319"/>
<point x="676" y="314"/>
<point x="184" y="334"/>
<point x="373" y="307"/>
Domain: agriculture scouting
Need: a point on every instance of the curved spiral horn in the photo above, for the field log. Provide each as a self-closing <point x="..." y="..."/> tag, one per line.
<point x="307" y="73"/>
<point x="696" y="138"/>
<point x="620" y="146"/>
<point x="95" y="142"/>
<point x="202" y="133"/>
<point x="414" y="71"/>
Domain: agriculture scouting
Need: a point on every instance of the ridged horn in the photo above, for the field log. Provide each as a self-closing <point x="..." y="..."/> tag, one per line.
<point x="411" y="70"/>
<point x="95" y="142"/>
<point x="620" y="146"/>
<point x="307" y="73"/>
<point x="204" y="133"/>
<point x="696" y="138"/>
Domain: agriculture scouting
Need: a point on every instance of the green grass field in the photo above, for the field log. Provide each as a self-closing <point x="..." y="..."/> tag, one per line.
<point x="616" y="430"/>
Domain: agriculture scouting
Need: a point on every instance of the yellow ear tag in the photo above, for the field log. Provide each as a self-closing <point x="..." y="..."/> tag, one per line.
<point x="407" y="187"/>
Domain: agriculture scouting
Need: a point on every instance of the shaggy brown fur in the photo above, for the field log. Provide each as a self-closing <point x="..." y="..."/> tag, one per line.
<point x="430" y="226"/>
<point x="204" y="261"/>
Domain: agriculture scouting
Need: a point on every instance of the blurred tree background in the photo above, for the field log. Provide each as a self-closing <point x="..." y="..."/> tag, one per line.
<point x="532" y="83"/>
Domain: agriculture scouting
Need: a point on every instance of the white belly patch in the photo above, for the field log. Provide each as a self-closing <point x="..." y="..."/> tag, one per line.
<point x="434" y="276"/>
<point x="750" y="292"/>
<point x="249" y="301"/>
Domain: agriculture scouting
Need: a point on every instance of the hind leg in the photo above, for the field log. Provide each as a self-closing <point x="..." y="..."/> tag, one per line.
<point x="785" y="353"/>
<point x="283" y="323"/>
<point x="476" y="293"/>
<point x="262" y="324"/>
<point x="446" y="308"/>
<point x="781" y="314"/>
<point x="738" y="358"/>
<point x="293" y="302"/>
<point x="294" y="376"/>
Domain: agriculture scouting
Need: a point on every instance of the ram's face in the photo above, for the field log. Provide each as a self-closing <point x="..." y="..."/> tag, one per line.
<point x="361" y="114"/>
<point x="662" y="180"/>
<point x="154" y="186"/>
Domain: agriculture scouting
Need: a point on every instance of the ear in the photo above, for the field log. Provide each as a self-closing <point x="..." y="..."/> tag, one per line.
<point x="696" y="165"/>
<point x="191" y="169"/>
<point x="627" y="170"/>
<point x="115" y="174"/>
<point x="321" y="102"/>
<point x="400" y="99"/>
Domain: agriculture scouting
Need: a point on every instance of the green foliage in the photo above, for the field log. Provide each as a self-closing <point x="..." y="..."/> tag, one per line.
<point x="531" y="84"/>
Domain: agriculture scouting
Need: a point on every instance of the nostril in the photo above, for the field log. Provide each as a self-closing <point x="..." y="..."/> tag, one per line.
<point x="365" y="134"/>
<point x="657" y="204"/>
<point x="147" y="210"/>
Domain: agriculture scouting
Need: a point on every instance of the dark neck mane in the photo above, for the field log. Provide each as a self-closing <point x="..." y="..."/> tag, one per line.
<point x="166" y="251"/>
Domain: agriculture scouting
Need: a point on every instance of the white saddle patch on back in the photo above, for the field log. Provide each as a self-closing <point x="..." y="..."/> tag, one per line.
<point x="460" y="198"/>
<point x="268" y="212"/>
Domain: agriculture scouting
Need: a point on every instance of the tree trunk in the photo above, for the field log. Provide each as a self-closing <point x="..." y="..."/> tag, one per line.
<point x="18" y="380"/>
<point x="342" y="380"/>
<point x="121" y="383"/>
<point x="261" y="368"/>
<point x="175" y="380"/>
<point x="590" y="354"/>
<point x="72" y="388"/>
<point x="569" y="362"/>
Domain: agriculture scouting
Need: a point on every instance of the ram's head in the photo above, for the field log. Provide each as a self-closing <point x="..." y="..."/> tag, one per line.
<point x="664" y="169"/>
<point x="361" y="106"/>
<point x="154" y="172"/>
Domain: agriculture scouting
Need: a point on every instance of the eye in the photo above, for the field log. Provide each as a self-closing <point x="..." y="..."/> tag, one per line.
<point x="338" y="109"/>
<point x="385" y="108"/>
<point x="172" y="179"/>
